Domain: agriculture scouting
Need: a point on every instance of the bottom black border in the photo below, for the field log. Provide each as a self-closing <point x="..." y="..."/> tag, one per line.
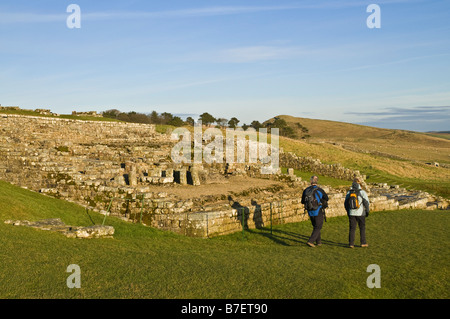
<point x="237" y="308"/>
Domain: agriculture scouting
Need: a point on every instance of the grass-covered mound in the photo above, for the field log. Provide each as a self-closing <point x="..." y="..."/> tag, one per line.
<point x="411" y="247"/>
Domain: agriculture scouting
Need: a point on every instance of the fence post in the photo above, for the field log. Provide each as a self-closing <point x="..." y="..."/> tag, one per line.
<point x="107" y="211"/>
<point x="281" y="213"/>
<point x="271" y="221"/>
<point x="242" y="217"/>
<point x="142" y="208"/>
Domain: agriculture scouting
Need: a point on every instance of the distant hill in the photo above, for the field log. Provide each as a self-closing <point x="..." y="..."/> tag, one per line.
<point x="441" y="134"/>
<point x="399" y="144"/>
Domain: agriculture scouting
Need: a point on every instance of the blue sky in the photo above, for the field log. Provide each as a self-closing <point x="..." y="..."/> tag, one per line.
<point x="247" y="59"/>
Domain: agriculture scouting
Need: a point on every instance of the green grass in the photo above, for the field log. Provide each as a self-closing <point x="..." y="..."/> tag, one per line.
<point x="435" y="187"/>
<point x="63" y="116"/>
<point x="413" y="146"/>
<point x="440" y="135"/>
<point x="23" y="112"/>
<point x="164" y="128"/>
<point x="411" y="247"/>
<point x="88" y="118"/>
<point x="435" y="180"/>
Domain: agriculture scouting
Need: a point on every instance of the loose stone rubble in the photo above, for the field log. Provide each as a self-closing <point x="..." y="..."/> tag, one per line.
<point x="55" y="224"/>
<point x="125" y="170"/>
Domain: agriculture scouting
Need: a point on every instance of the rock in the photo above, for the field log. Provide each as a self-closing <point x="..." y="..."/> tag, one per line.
<point x="18" y="222"/>
<point x="56" y="224"/>
<point x="195" y="176"/>
<point x="45" y="224"/>
<point x="96" y="231"/>
<point x="183" y="176"/>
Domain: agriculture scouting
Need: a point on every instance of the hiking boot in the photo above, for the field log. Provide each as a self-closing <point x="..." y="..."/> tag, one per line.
<point x="364" y="245"/>
<point x="310" y="244"/>
<point x="319" y="244"/>
<point x="351" y="246"/>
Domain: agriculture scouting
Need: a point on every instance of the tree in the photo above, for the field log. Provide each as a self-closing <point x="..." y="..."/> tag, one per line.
<point x="166" y="118"/>
<point x="256" y="125"/>
<point x="112" y="114"/>
<point x="233" y="122"/>
<point x="138" y="118"/>
<point x="207" y="118"/>
<point x="222" y="122"/>
<point x="190" y="121"/>
<point x="176" y="121"/>
<point x="123" y="117"/>
<point x="283" y="128"/>
<point x="154" y="117"/>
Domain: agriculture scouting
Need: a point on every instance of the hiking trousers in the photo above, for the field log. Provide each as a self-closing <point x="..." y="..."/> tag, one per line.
<point x="317" y="222"/>
<point x="353" y="222"/>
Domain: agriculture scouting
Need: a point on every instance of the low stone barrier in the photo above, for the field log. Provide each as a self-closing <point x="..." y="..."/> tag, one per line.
<point x="55" y="224"/>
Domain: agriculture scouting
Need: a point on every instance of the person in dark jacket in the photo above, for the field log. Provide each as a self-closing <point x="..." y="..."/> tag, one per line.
<point x="317" y="215"/>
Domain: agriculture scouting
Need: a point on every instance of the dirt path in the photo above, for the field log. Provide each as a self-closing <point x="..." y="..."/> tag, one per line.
<point x="232" y="184"/>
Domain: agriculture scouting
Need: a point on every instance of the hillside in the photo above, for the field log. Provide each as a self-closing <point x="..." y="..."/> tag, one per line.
<point x="444" y="134"/>
<point x="143" y="262"/>
<point x="400" y="144"/>
<point x="383" y="155"/>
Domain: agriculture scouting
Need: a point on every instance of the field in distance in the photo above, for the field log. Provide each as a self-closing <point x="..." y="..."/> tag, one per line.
<point x="383" y="155"/>
<point x="400" y="144"/>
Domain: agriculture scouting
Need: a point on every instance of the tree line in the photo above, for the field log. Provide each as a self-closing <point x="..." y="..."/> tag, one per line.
<point x="207" y="119"/>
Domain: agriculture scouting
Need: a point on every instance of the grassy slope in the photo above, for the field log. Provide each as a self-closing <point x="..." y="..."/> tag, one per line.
<point x="440" y="134"/>
<point x="402" y="144"/>
<point x="373" y="151"/>
<point x="142" y="262"/>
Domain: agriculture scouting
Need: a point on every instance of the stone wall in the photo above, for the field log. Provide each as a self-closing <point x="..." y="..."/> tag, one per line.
<point x="45" y="152"/>
<point x="89" y="113"/>
<point x="112" y="168"/>
<point x="315" y="165"/>
<point x="280" y="210"/>
<point x="220" y="216"/>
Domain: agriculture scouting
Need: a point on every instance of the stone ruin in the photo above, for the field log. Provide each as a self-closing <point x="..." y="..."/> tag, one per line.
<point x="57" y="225"/>
<point x="125" y="170"/>
<point x="88" y="113"/>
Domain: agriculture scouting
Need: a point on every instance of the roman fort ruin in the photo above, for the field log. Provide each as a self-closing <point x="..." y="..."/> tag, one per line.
<point x="125" y="170"/>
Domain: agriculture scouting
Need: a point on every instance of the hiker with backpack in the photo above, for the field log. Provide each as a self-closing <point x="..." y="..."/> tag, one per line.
<point x="315" y="201"/>
<point x="357" y="206"/>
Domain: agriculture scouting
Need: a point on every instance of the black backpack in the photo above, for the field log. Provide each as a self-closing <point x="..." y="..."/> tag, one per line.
<point x="311" y="202"/>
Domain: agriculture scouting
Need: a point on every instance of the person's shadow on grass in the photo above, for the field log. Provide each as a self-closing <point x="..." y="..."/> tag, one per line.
<point x="287" y="238"/>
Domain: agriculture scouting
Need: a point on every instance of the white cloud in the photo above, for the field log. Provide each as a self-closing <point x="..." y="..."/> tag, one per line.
<point x="257" y="53"/>
<point x="24" y="17"/>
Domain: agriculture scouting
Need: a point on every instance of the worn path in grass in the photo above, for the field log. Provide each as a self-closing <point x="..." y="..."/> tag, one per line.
<point x="411" y="248"/>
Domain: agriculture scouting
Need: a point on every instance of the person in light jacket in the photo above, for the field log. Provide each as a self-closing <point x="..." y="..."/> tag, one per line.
<point x="357" y="216"/>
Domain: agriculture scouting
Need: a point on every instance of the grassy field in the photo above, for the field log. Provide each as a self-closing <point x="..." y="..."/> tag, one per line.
<point x="445" y="135"/>
<point x="411" y="247"/>
<point x="400" y="144"/>
<point x="377" y="168"/>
